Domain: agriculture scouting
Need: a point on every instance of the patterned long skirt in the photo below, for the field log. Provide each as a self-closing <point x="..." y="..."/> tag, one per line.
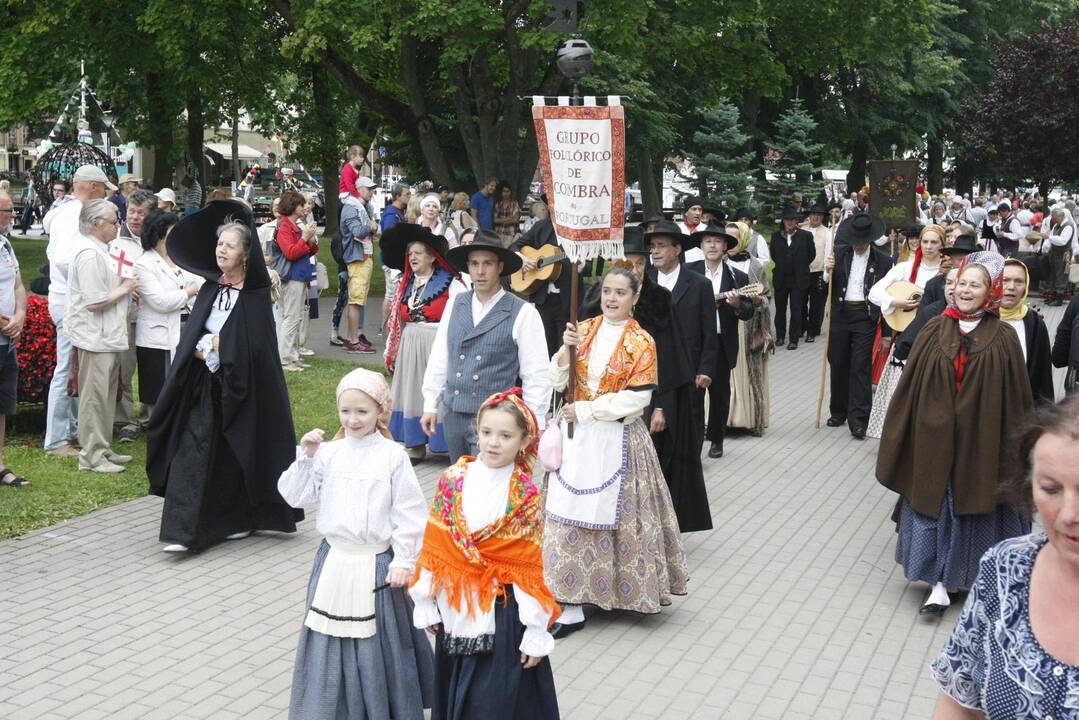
<point x="636" y="567"/>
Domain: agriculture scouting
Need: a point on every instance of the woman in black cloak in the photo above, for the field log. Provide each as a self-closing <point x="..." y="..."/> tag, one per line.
<point x="679" y="455"/>
<point x="222" y="434"/>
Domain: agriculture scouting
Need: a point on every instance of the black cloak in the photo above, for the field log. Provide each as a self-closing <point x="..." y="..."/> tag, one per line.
<point x="1039" y="357"/>
<point x="678" y="447"/>
<point x="218" y="442"/>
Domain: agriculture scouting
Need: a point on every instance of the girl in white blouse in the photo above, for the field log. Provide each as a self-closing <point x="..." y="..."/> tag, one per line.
<point x="358" y="655"/>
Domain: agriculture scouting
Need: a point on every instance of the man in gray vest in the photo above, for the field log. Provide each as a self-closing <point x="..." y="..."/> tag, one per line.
<point x="487" y="341"/>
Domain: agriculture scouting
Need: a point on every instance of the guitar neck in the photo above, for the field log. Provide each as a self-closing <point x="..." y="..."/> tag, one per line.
<point x="550" y="260"/>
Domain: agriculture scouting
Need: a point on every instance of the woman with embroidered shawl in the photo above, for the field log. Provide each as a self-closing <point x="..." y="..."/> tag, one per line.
<point x="611" y="537"/>
<point x="427" y="283"/>
<point x="923" y="267"/>
<point x="750" y="403"/>
<point x="1029" y="327"/>
<point x="479" y="583"/>
<point x="949" y="438"/>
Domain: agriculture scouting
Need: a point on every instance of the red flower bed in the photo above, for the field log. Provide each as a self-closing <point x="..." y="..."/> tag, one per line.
<point x="37" y="352"/>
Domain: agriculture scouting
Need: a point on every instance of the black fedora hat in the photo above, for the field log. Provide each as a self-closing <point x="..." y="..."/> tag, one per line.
<point x="859" y="229"/>
<point x="192" y="243"/>
<point x="790" y="213"/>
<point x="633" y="242"/>
<point x="744" y="213"/>
<point x="819" y="208"/>
<point x="914" y="230"/>
<point x="713" y="230"/>
<point x="964" y="245"/>
<point x="489" y="241"/>
<point x="395" y="241"/>
<point x="666" y="228"/>
<point x="713" y="210"/>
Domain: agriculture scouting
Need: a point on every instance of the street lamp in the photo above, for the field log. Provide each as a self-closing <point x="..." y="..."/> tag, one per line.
<point x="575" y="59"/>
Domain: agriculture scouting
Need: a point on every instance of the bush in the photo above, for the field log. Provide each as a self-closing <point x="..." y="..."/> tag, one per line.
<point x="37" y="352"/>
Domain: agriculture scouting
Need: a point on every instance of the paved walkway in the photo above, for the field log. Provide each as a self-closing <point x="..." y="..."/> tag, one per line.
<point x="796" y="607"/>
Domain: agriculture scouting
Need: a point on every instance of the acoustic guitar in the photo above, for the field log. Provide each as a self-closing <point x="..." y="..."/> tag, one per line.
<point x="547" y="269"/>
<point x="903" y="290"/>
<point x="748" y="291"/>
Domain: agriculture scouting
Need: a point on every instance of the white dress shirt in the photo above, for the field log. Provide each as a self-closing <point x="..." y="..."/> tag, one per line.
<point x="716" y="276"/>
<point x="761" y="251"/>
<point x="484" y="495"/>
<point x="668" y="280"/>
<point x="367" y="494"/>
<point x="532" y="357"/>
<point x="859" y="263"/>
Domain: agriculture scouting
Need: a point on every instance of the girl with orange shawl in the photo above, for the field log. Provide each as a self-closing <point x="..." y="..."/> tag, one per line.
<point x="611" y="538"/>
<point x="479" y="584"/>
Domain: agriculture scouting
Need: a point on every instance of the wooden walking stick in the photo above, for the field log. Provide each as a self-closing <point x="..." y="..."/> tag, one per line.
<point x="824" y="362"/>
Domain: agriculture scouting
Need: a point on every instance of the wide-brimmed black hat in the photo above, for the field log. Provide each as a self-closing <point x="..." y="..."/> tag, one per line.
<point x="744" y="213"/>
<point x="964" y="245"/>
<point x="818" y="208"/>
<point x="914" y="230"/>
<point x="489" y="241"/>
<point x="790" y="213"/>
<point x="192" y="244"/>
<point x="713" y="230"/>
<point x="633" y="242"/>
<point x="859" y="229"/>
<point x="717" y="214"/>
<point x="653" y="219"/>
<point x="666" y="228"/>
<point x="395" y="241"/>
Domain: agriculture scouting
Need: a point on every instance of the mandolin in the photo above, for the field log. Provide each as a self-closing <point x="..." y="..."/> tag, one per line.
<point x="548" y="269"/>
<point x="903" y="290"/>
<point x="748" y="291"/>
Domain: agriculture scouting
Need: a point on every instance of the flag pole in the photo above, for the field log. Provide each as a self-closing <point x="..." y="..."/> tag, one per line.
<point x="571" y="383"/>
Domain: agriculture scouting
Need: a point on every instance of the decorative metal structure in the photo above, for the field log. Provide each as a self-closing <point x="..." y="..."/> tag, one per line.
<point x="61" y="161"/>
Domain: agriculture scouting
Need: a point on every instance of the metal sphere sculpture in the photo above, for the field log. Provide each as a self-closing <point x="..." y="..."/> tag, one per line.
<point x="60" y="163"/>
<point x="575" y="59"/>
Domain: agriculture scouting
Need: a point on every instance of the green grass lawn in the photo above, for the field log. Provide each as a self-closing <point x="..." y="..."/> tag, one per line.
<point x="58" y="491"/>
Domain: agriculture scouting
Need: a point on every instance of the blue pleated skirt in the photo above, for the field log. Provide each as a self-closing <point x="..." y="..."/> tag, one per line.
<point x="417" y="339"/>
<point x="388" y="675"/>
<point x="947" y="549"/>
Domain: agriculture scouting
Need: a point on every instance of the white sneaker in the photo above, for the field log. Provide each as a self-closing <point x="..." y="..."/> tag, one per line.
<point x="238" y="536"/>
<point x="117" y="458"/>
<point x="306" y="352"/>
<point x="105" y="467"/>
<point x="175" y="548"/>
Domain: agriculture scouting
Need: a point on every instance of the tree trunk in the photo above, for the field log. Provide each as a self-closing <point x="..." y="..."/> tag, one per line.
<point x="415" y="88"/>
<point x="935" y="167"/>
<point x="328" y="160"/>
<point x="162" y="131"/>
<point x="195" y="133"/>
<point x="856" y="173"/>
<point x="236" y="147"/>
<point x="651" y="191"/>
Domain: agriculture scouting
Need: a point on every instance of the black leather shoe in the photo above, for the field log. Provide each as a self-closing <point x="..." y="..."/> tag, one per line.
<point x="793" y="345"/>
<point x="810" y="338"/>
<point x="715" y="451"/>
<point x="559" y="631"/>
<point x="780" y="340"/>
<point x="836" y="421"/>
<point x="858" y="433"/>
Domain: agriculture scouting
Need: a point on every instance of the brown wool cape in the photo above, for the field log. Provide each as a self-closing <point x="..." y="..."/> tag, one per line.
<point x="933" y="433"/>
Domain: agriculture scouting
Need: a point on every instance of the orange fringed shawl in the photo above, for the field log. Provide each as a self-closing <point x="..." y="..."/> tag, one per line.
<point x="507" y="551"/>
<point x="632" y="365"/>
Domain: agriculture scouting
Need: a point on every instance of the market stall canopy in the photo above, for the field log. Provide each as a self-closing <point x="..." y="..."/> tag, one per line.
<point x="244" y="152"/>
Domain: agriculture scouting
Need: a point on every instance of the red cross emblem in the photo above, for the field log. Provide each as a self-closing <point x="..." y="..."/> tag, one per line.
<point x="124" y="267"/>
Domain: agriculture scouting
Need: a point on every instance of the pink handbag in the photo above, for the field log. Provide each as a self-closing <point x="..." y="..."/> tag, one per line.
<point x="550" y="446"/>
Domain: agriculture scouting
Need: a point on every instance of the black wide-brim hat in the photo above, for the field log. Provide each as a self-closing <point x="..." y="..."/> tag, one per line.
<point x="964" y="245"/>
<point x="489" y="241"/>
<point x="717" y="214"/>
<point x="666" y="228"/>
<point x="860" y="228"/>
<point x="789" y="213"/>
<point x="633" y="242"/>
<point x="745" y="213"/>
<point x="819" y="208"/>
<point x="395" y="241"/>
<point x="192" y="244"/>
<point x="713" y="230"/>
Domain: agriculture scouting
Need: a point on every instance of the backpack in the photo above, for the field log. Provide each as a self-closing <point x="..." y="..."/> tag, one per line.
<point x="337" y="249"/>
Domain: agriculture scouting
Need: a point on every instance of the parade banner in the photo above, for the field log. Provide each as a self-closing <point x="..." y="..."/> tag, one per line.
<point x="582" y="152"/>
<point x="891" y="191"/>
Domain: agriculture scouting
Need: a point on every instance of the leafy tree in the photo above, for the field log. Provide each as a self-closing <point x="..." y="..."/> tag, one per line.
<point x="723" y="169"/>
<point x="1042" y="71"/>
<point x="793" y="157"/>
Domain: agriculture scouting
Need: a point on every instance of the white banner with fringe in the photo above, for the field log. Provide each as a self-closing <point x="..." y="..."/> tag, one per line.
<point x="582" y="151"/>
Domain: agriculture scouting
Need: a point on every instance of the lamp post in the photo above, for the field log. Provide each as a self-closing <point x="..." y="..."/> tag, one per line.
<point x="575" y="59"/>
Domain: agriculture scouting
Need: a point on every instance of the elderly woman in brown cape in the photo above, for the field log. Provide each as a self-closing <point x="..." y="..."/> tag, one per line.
<point x="949" y="440"/>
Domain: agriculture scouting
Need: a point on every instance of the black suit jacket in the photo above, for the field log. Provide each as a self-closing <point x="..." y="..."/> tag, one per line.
<point x="934" y="291"/>
<point x="839" y="278"/>
<point x="731" y="279"/>
<point x="695" y="314"/>
<point x="792" y="264"/>
<point x="542" y="233"/>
